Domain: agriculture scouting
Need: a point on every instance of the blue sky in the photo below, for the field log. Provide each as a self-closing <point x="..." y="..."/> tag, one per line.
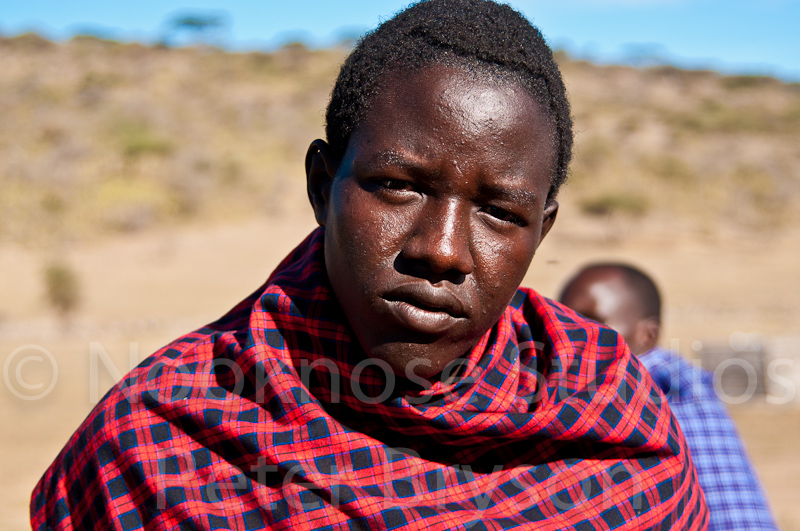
<point x="737" y="36"/>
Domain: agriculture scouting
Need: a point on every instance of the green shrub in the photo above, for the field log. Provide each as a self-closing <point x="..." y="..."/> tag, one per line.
<point x="593" y="152"/>
<point x="138" y="139"/>
<point x="62" y="288"/>
<point x="30" y="41"/>
<point x="746" y="82"/>
<point x="670" y="168"/>
<point x="615" y="203"/>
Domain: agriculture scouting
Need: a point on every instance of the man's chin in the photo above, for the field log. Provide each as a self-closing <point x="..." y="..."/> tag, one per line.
<point x="419" y="363"/>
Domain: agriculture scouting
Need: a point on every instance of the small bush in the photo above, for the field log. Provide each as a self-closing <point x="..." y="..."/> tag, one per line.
<point x="30" y="41"/>
<point x="713" y="117"/>
<point x="143" y="142"/>
<point x="129" y="205"/>
<point x="53" y="203"/>
<point x="138" y="139"/>
<point x="670" y="168"/>
<point x="615" y="203"/>
<point x="746" y="82"/>
<point x="593" y="152"/>
<point x="89" y="39"/>
<point x="62" y="288"/>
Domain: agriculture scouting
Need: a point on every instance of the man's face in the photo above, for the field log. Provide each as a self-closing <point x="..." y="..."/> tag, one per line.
<point x="434" y="213"/>
<point x="604" y="296"/>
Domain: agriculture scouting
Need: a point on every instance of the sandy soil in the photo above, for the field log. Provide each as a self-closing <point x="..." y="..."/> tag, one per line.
<point x="142" y="291"/>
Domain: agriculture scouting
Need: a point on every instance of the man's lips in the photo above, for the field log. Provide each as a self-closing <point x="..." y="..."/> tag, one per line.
<point x="428" y="298"/>
<point x="424" y="308"/>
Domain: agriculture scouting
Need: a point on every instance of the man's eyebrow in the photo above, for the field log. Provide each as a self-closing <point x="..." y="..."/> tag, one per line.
<point x="388" y="157"/>
<point x="522" y="196"/>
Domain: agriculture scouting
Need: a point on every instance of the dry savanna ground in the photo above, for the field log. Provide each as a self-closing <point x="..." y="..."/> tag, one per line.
<point x="144" y="191"/>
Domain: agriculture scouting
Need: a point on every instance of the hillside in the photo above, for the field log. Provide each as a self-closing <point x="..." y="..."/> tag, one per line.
<point x="100" y="138"/>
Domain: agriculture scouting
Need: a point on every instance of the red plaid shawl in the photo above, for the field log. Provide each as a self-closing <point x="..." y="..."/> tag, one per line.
<point x="271" y="418"/>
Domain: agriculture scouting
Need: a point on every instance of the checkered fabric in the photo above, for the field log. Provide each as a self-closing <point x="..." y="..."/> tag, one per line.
<point x="272" y="418"/>
<point x="732" y="489"/>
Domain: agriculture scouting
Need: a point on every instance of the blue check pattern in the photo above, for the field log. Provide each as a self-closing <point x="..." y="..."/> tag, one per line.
<point x="733" y="492"/>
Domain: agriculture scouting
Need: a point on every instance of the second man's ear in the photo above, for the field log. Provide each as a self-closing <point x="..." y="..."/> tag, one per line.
<point x="320" y="170"/>
<point x="647" y="332"/>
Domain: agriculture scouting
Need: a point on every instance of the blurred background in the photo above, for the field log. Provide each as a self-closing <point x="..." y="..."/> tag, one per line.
<point x="151" y="176"/>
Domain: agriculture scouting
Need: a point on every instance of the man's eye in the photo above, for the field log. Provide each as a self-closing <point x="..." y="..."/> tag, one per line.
<point x="394" y="184"/>
<point x="503" y="215"/>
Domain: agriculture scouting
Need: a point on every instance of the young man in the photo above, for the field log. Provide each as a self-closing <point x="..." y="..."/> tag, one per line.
<point x="628" y="301"/>
<point x="390" y="374"/>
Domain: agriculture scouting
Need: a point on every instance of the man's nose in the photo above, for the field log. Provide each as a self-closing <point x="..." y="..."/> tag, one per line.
<point x="440" y="243"/>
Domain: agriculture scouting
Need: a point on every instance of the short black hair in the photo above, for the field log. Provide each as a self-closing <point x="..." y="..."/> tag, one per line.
<point x="640" y="284"/>
<point x="475" y="34"/>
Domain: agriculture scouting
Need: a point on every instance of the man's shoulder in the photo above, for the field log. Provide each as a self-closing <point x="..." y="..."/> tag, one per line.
<point x="171" y="373"/>
<point x="195" y="365"/>
<point x="684" y="382"/>
<point x="135" y="418"/>
<point x="677" y="365"/>
<point x="561" y="324"/>
<point x="576" y="349"/>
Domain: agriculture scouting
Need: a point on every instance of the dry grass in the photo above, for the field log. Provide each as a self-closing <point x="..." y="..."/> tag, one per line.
<point x="100" y="138"/>
<point x="715" y="151"/>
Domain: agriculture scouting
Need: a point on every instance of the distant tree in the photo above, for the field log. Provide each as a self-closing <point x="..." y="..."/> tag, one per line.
<point x="645" y="54"/>
<point x="199" y="28"/>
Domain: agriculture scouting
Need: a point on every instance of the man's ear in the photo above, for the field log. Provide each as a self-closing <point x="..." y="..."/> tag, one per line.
<point x="647" y="332"/>
<point x="321" y="167"/>
<point x="548" y="217"/>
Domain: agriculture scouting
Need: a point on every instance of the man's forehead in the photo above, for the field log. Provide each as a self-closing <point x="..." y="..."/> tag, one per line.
<point x="479" y="93"/>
